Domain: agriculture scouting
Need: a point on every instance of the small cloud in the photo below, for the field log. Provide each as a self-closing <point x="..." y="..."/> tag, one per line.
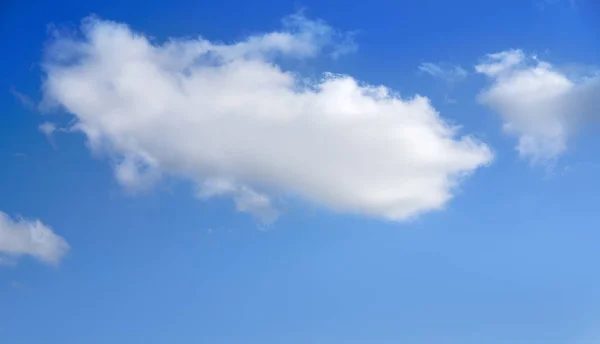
<point x="19" y="155"/>
<point x="346" y="45"/>
<point x="48" y="129"/>
<point x="311" y="36"/>
<point x="23" y="99"/>
<point x="540" y="104"/>
<point x="450" y="74"/>
<point x="246" y="199"/>
<point x="16" y="285"/>
<point x="257" y="204"/>
<point x="19" y="237"/>
<point x="449" y="99"/>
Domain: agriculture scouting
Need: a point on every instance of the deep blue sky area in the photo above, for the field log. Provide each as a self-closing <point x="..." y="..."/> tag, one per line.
<point x="510" y="257"/>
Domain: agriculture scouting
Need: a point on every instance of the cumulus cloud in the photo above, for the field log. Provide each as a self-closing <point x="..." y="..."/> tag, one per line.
<point x="229" y="118"/>
<point x="539" y="103"/>
<point x="447" y="73"/>
<point x="20" y="237"/>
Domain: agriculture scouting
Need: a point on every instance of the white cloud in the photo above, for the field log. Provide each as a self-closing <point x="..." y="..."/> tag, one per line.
<point x="47" y="128"/>
<point x="29" y="237"/>
<point x="539" y="104"/>
<point x="246" y="199"/>
<point x="227" y="117"/>
<point x="450" y="74"/>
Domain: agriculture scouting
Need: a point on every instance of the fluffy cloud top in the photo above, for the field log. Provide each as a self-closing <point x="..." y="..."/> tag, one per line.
<point x="29" y="237"/>
<point x="227" y="117"/>
<point x="539" y="104"/>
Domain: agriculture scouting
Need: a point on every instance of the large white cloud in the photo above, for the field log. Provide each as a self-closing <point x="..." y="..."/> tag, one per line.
<point x="540" y="104"/>
<point x="29" y="237"/>
<point x="227" y="117"/>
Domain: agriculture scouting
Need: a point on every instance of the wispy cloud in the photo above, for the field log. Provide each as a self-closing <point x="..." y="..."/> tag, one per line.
<point x="24" y="99"/>
<point x="543" y="4"/>
<point x="48" y="129"/>
<point x="7" y="261"/>
<point x="445" y="72"/>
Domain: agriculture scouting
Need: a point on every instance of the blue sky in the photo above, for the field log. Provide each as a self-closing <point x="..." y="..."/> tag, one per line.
<point x="246" y="172"/>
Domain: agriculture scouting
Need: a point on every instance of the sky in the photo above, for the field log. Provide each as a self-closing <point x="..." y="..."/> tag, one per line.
<point x="299" y="172"/>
